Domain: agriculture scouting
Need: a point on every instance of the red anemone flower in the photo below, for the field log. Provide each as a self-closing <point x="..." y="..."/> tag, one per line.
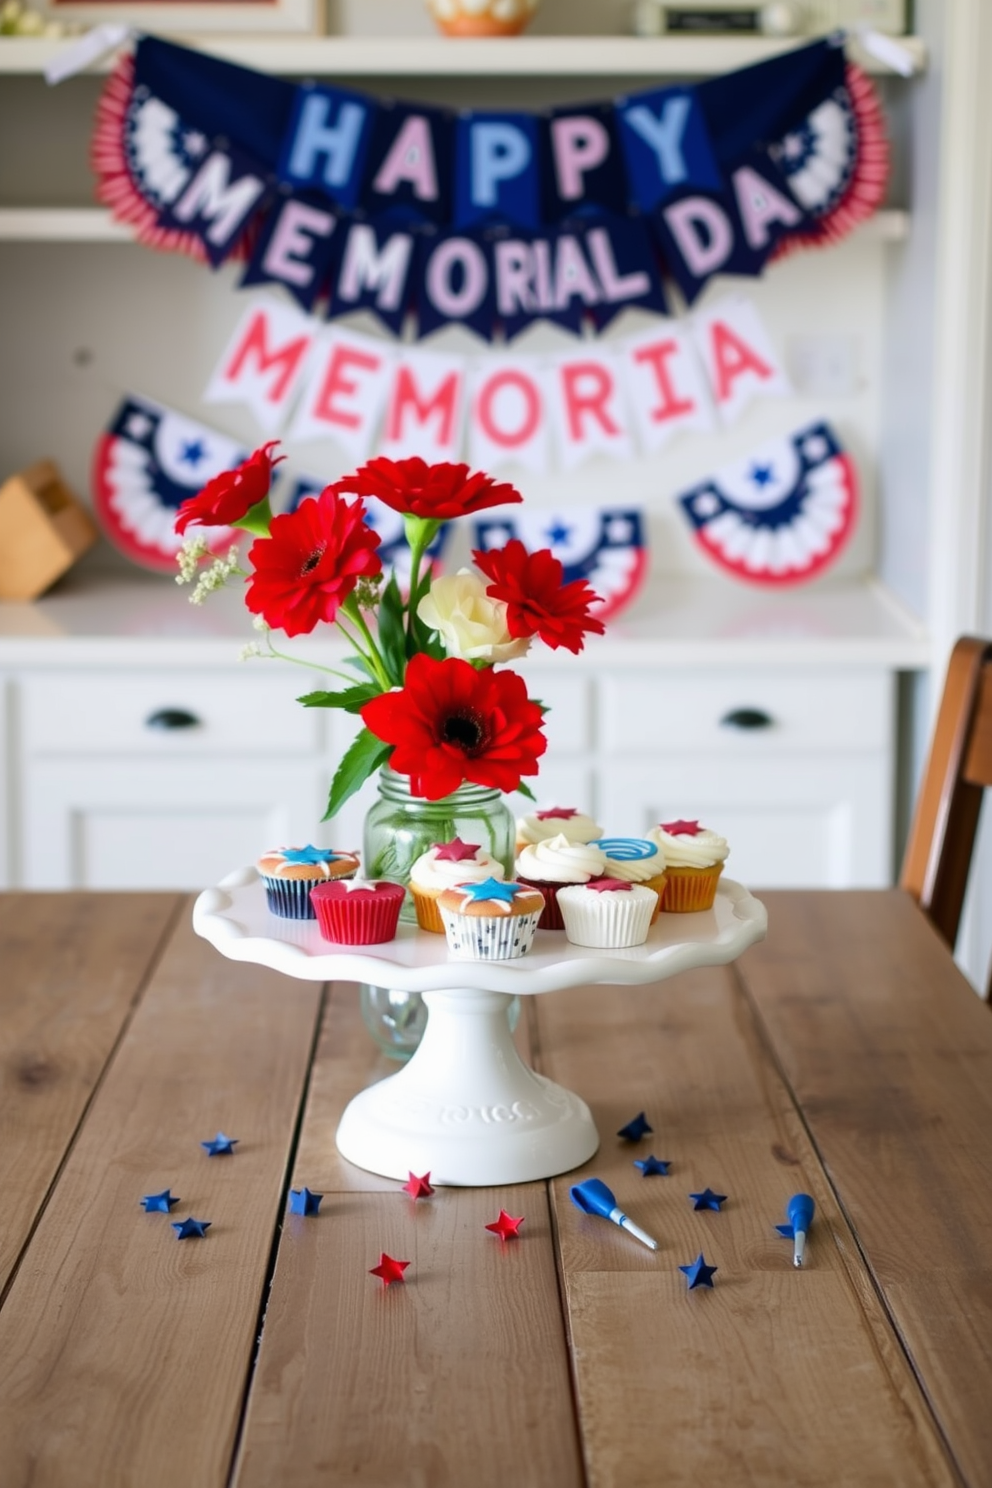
<point x="232" y="494"/>
<point x="451" y="723"/>
<point x="439" y="491"/>
<point x="310" y="562"/>
<point x="537" y="602"/>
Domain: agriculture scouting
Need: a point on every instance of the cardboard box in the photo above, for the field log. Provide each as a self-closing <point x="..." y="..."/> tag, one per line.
<point x="44" y="528"/>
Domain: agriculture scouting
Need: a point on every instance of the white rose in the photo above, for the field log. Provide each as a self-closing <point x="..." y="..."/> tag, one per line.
<point x="471" y="625"/>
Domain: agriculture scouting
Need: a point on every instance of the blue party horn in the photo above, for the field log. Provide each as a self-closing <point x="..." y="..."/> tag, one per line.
<point x="800" y="1209"/>
<point x="593" y="1197"/>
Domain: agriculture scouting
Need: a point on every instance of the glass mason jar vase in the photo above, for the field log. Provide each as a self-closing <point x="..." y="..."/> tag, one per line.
<point x="398" y="828"/>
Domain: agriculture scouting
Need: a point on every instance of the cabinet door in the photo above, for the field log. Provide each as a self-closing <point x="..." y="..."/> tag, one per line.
<point x="811" y="822"/>
<point x="127" y="824"/>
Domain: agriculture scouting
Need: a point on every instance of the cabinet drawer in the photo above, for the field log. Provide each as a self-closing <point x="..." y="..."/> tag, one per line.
<point x="758" y="712"/>
<point x="168" y="712"/>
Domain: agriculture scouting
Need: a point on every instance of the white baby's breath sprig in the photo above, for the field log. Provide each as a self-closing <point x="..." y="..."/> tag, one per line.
<point x="216" y="576"/>
<point x="253" y="648"/>
<point x="188" y="558"/>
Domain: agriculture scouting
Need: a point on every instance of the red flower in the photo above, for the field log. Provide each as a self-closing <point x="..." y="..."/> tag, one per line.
<point x="310" y="562"/>
<point x="451" y="723"/>
<point x="537" y="602"/>
<point x="231" y="495"/>
<point x="435" y="491"/>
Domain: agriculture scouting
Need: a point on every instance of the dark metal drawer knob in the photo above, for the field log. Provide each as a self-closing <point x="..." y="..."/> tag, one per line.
<point x="747" y="718"/>
<point x="168" y="719"/>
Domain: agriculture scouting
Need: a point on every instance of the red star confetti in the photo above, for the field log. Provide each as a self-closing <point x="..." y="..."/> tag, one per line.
<point x="506" y="1227"/>
<point x="419" y="1188"/>
<point x="389" y="1269"/>
<point x="682" y="828"/>
<point x="455" y="851"/>
<point x="557" y="813"/>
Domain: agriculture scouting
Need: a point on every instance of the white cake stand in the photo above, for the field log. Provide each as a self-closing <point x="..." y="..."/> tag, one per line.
<point x="466" y="1107"/>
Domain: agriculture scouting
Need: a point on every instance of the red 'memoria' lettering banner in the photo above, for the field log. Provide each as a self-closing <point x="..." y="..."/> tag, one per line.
<point x="365" y="394"/>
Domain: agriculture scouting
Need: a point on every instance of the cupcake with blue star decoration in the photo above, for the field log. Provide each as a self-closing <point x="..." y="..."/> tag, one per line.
<point x="491" y="920"/>
<point x="289" y="873"/>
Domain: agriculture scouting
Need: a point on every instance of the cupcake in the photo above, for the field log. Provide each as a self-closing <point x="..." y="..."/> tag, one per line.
<point x="357" y="911"/>
<point x="289" y="873"/>
<point x="548" y="865"/>
<point x="694" y="858"/>
<point x="442" y="867"/>
<point x="557" y="821"/>
<point x="490" y="921"/>
<point x="635" y="860"/>
<point x="607" y="913"/>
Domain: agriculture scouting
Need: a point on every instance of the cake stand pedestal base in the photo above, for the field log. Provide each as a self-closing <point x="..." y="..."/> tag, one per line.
<point x="466" y="1108"/>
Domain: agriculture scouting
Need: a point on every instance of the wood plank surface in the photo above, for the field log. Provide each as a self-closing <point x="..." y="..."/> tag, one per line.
<point x="124" y="1352"/>
<point x="458" y="1376"/>
<point x="71" y="968"/>
<point x="889" y="1052"/>
<point x="776" y="1376"/>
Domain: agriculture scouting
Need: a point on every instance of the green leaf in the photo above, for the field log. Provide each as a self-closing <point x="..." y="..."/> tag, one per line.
<point x="351" y="699"/>
<point x="392" y="643"/>
<point x="361" y="759"/>
<point x="525" y="790"/>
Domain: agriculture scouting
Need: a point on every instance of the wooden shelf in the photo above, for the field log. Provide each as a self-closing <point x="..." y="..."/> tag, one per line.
<point x="629" y="57"/>
<point x="95" y="225"/>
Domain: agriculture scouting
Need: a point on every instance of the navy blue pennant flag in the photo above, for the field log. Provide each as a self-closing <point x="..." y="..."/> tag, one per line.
<point x="326" y="143"/>
<point x="581" y="163"/>
<point x="298" y="247"/>
<point x="375" y="271"/>
<point x="454" y="282"/>
<point x="410" y="163"/>
<point x="496" y="170"/>
<point x="222" y="197"/>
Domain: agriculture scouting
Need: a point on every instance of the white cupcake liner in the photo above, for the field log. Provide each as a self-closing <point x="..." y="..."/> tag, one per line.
<point x="488" y="938"/>
<point x="607" y="921"/>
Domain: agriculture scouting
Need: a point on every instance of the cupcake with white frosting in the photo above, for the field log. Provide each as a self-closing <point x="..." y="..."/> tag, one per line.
<point x="441" y="867"/>
<point x="694" y="858"/>
<point x="556" y="821"/>
<point x="607" y="913"/>
<point x="635" y="860"/>
<point x="551" y="864"/>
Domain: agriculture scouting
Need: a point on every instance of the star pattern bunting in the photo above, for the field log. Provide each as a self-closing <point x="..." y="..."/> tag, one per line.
<point x="389" y="1269"/>
<point x="304" y="1201"/>
<point x="650" y="1166"/>
<point x="159" y="1203"/>
<point x="455" y="851"/>
<point x="220" y="1146"/>
<point x="506" y="1227"/>
<point x="636" y="1129"/>
<point x="490" y="888"/>
<point x="699" y="1273"/>
<point x="707" y="1199"/>
<point x="191" y="1229"/>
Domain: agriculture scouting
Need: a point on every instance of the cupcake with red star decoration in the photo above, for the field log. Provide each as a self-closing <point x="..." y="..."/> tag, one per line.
<point x="550" y="865"/>
<point x="694" y="858"/>
<point x="443" y="866"/>
<point x="556" y="821"/>
<point x="607" y="913"/>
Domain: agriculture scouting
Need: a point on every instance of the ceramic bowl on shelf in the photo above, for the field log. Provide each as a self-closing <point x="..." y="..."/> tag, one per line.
<point x="482" y="17"/>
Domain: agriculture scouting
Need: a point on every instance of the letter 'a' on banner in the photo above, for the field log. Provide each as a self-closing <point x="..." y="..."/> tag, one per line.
<point x="738" y="356"/>
<point x="424" y="407"/>
<point x="665" y="386"/>
<point x="345" y="393"/>
<point x="508" y="420"/>
<point x="264" y="362"/>
<point x="585" y="399"/>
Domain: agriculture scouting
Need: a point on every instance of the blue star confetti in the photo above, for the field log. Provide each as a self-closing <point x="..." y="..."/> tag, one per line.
<point x="707" y="1199"/>
<point x="303" y="1201"/>
<point x="159" y="1203"/>
<point x="699" y="1273"/>
<point x="221" y="1146"/>
<point x="490" y="888"/>
<point x="189" y="1229"/>
<point x="649" y="1166"/>
<point x="636" y="1129"/>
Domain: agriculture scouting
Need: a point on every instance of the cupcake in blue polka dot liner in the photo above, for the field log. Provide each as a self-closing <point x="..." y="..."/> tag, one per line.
<point x="492" y="920"/>
<point x="289" y="873"/>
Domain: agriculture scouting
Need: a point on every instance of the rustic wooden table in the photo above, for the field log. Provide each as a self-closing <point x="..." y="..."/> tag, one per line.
<point x="845" y="1057"/>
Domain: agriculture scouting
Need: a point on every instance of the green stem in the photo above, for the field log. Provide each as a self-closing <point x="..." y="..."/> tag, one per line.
<point x="416" y="554"/>
<point x="354" y="614"/>
<point x="371" y="658"/>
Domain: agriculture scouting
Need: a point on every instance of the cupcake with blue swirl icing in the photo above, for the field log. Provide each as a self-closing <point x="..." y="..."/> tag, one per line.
<point x="635" y="860"/>
<point x="289" y="873"/>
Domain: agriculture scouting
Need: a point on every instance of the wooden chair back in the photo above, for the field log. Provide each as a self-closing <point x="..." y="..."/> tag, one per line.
<point x="942" y="836"/>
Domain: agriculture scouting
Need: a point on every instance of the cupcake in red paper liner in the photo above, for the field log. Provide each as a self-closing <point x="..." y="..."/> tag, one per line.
<point x="551" y="864"/>
<point x="442" y="867"/>
<point x="289" y="873"/>
<point x="358" y="911"/>
<point x="635" y="860"/>
<point x="694" y="858"/>
<point x="556" y="821"/>
<point x="493" y="920"/>
<point x="607" y="913"/>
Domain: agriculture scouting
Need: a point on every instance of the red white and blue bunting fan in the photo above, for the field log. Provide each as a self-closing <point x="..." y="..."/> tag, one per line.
<point x="606" y="547"/>
<point x="149" y="461"/>
<point x="394" y="550"/>
<point x="782" y="515"/>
